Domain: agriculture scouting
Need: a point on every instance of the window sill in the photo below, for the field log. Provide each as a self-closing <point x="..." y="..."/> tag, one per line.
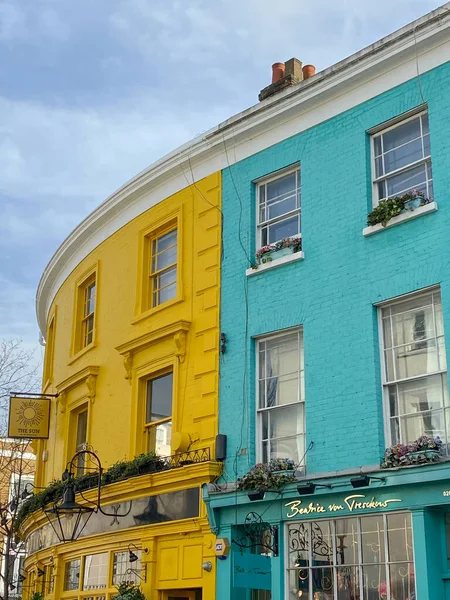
<point x="407" y="216"/>
<point x="81" y="352"/>
<point x="155" y="309"/>
<point x="278" y="262"/>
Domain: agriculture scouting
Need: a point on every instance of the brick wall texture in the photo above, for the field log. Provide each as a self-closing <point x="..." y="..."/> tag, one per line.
<point x="332" y="292"/>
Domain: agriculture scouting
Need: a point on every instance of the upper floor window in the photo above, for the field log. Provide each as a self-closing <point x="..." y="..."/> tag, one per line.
<point x="415" y="367"/>
<point x="402" y="159"/>
<point x="163" y="271"/>
<point x="278" y="207"/>
<point x="158" y="419"/>
<point x="87" y="324"/>
<point x="49" y="351"/>
<point x="281" y="397"/>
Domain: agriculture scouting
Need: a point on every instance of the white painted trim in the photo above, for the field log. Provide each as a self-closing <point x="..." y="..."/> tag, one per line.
<point x="407" y="216"/>
<point x="424" y="44"/>
<point x="278" y="262"/>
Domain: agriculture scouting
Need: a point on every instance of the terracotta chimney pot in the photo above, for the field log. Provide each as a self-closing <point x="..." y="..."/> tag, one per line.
<point x="308" y="71"/>
<point x="277" y="71"/>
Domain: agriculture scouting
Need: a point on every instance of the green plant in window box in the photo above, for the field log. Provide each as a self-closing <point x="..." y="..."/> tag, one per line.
<point x="37" y="596"/>
<point x="392" y="207"/>
<point x="128" y="591"/>
<point x="264" y="477"/>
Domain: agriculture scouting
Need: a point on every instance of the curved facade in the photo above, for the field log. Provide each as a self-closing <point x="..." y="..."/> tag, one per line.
<point x="132" y="352"/>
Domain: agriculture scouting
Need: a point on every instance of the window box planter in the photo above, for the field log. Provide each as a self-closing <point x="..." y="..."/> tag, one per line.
<point x="395" y="206"/>
<point x="284" y="247"/>
<point x="424" y="450"/>
<point x="405" y="215"/>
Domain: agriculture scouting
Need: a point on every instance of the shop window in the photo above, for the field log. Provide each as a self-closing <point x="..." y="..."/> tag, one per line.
<point x="47" y="583"/>
<point x="158" y="418"/>
<point x="447" y="532"/>
<point x="123" y="570"/>
<point x="368" y="557"/>
<point x="415" y="367"/>
<point x="95" y="571"/>
<point x="281" y="397"/>
<point x="72" y="575"/>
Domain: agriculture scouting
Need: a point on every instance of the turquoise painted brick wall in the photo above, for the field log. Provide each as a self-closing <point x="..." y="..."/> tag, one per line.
<point x="332" y="292"/>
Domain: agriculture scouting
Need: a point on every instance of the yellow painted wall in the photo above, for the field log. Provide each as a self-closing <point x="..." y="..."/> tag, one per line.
<point x="107" y="376"/>
<point x="132" y="342"/>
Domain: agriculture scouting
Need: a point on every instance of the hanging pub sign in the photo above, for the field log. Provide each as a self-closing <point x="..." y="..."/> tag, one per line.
<point x="28" y="417"/>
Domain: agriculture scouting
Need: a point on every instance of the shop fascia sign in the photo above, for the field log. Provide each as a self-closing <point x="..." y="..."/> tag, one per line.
<point x="349" y="504"/>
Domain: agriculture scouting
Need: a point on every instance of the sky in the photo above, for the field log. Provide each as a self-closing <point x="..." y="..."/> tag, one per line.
<point x="94" y="91"/>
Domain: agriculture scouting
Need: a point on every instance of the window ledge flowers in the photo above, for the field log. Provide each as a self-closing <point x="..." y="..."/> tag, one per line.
<point x="391" y="212"/>
<point x="275" y="255"/>
<point x="265" y="254"/>
<point x="392" y="207"/>
<point x="263" y="477"/>
<point x="423" y="450"/>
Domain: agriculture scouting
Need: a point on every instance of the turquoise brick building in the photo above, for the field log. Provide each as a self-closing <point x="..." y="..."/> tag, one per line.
<point x="338" y="331"/>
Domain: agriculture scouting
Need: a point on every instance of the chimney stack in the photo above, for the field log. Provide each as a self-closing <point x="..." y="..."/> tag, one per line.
<point x="285" y="75"/>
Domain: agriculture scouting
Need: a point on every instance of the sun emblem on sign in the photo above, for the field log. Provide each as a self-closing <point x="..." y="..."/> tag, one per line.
<point x="30" y="413"/>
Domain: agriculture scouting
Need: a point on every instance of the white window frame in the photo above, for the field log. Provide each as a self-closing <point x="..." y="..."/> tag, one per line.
<point x="393" y="124"/>
<point x="385" y="384"/>
<point x="268" y="179"/>
<point x="260" y="411"/>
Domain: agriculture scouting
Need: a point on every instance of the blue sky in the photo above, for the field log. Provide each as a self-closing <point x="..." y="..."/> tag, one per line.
<point x="93" y="91"/>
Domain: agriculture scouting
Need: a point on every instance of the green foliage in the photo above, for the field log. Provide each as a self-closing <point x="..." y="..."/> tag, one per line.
<point x="129" y="591"/>
<point x="392" y="207"/>
<point x="141" y="464"/>
<point x="385" y="210"/>
<point x="37" y="596"/>
<point x="262" y="477"/>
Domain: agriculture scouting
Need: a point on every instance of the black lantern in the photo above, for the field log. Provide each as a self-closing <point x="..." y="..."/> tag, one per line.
<point x="67" y="517"/>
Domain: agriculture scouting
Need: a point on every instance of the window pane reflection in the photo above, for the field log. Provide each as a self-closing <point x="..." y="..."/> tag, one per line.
<point x="358" y="558"/>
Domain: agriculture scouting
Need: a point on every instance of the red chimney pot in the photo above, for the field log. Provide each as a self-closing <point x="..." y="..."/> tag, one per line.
<point x="308" y="71"/>
<point x="277" y="71"/>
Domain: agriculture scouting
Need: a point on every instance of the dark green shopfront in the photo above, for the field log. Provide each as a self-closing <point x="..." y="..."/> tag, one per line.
<point x="387" y="539"/>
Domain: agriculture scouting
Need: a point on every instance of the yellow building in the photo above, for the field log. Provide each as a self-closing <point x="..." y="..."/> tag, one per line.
<point x="130" y="307"/>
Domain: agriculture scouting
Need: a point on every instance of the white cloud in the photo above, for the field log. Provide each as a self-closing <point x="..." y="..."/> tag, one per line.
<point x="134" y="79"/>
<point x="20" y="21"/>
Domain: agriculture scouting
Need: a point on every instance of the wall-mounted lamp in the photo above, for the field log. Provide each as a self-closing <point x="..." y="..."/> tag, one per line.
<point x="40" y="572"/>
<point x="364" y="480"/>
<point x="310" y="487"/>
<point x="21" y="578"/>
<point x="132" y="556"/>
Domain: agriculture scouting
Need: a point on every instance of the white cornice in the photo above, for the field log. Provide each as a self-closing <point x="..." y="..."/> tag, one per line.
<point x="423" y="45"/>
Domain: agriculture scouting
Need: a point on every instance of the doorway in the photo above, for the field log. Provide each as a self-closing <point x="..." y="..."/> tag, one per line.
<point x="182" y="595"/>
